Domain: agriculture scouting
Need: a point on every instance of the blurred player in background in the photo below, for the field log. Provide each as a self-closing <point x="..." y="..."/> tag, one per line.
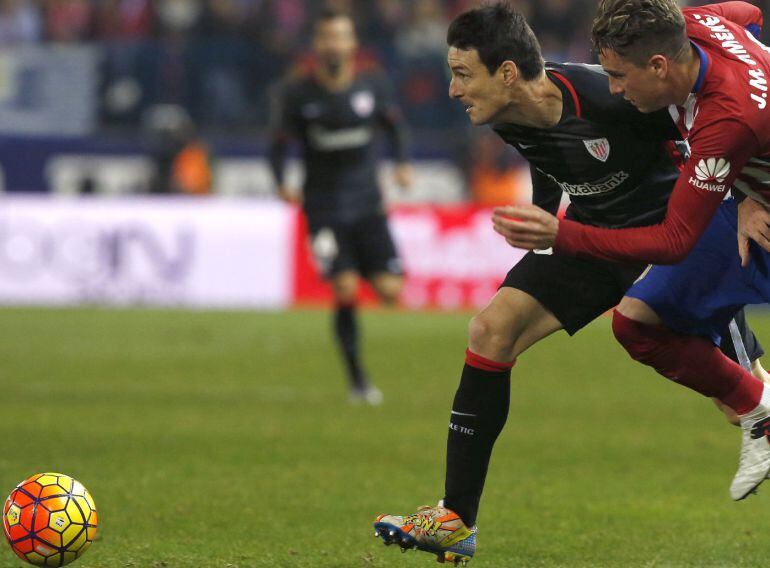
<point x="335" y="110"/>
<point x="618" y="167"/>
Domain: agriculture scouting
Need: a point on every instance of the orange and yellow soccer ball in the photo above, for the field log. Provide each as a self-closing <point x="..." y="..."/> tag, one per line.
<point x="49" y="519"/>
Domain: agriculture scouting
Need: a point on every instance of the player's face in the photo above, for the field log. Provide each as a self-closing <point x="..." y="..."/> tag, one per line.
<point x="642" y="86"/>
<point x="484" y="95"/>
<point x="335" y="41"/>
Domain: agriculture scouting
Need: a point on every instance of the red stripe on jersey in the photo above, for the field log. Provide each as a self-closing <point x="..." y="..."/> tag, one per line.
<point x="486" y="364"/>
<point x="571" y="90"/>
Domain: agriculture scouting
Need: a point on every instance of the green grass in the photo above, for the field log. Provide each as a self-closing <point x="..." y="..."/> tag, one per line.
<point x="225" y="439"/>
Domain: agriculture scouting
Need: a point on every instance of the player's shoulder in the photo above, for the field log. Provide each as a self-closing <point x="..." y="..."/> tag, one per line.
<point x="583" y="73"/>
<point x="294" y="83"/>
<point x="738" y="11"/>
<point x="300" y="78"/>
<point x="726" y="26"/>
<point x="590" y="85"/>
<point x="371" y="73"/>
<point x="732" y="56"/>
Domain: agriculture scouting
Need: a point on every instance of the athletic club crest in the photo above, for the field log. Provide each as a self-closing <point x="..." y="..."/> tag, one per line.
<point x="599" y="148"/>
<point x="362" y="103"/>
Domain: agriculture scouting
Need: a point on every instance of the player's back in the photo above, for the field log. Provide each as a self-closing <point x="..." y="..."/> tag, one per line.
<point x="735" y="70"/>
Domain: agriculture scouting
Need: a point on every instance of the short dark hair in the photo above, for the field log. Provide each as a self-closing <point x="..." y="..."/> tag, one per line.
<point x="498" y="32"/>
<point x="639" y="29"/>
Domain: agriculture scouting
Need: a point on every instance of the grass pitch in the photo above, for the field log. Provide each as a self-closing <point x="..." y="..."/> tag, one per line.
<point x="226" y="440"/>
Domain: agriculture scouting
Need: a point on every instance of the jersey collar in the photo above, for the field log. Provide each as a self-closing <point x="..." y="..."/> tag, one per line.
<point x="704" y="65"/>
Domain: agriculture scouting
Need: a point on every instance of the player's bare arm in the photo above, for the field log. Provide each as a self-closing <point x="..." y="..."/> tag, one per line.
<point x="403" y="175"/>
<point x="753" y="225"/>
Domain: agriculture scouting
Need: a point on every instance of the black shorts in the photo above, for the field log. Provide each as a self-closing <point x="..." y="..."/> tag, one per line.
<point x="365" y="246"/>
<point x="577" y="291"/>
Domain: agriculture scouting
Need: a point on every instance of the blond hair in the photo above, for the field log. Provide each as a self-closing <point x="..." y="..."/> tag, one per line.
<point x="639" y="29"/>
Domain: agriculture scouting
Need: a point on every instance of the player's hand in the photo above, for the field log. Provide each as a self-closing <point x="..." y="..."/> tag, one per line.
<point x="403" y="175"/>
<point x="753" y="224"/>
<point x="288" y="194"/>
<point x="526" y="226"/>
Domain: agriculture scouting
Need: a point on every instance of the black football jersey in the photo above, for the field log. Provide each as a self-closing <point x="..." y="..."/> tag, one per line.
<point x="617" y="165"/>
<point x="338" y="132"/>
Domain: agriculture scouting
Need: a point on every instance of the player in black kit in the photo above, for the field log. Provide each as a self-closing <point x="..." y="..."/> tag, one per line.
<point x="336" y="110"/>
<point x="618" y="167"/>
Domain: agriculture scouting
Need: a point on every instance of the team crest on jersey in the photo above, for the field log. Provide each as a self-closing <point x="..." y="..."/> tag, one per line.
<point x="362" y="103"/>
<point x="599" y="148"/>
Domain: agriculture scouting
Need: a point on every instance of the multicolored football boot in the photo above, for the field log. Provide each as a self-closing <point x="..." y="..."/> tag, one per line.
<point x="437" y="530"/>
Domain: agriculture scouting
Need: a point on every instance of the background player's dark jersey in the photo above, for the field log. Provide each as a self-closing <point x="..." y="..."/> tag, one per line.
<point x="617" y="165"/>
<point x="338" y="132"/>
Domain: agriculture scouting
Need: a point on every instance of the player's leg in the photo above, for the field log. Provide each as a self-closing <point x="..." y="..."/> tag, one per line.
<point x="687" y="299"/>
<point x="378" y="260"/>
<point x="370" y="250"/>
<point x="695" y="362"/>
<point x="512" y="322"/>
<point x="335" y="256"/>
<point x="540" y="295"/>
<point x="741" y="345"/>
<point x="508" y="325"/>
<point x="690" y="360"/>
<point x="388" y="287"/>
<point x="346" y="331"/>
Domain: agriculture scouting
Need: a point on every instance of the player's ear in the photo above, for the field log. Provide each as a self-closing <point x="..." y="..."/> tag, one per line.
<point x="509" y="72"/>
<point x="659" y="65"/>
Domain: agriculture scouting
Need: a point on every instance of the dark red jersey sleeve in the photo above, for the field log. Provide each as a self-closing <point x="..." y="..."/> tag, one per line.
<point x="719" y="153"/>
<point x="742" y="13"/>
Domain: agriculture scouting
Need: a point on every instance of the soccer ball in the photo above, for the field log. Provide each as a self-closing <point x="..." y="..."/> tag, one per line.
<point x="49" y="519"/>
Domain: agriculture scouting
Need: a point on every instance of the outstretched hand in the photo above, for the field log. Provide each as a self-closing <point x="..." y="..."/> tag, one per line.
<point x="526" y="226"/>
<point x="288" y="194"/>
<point x="403" y="175"/>
<point x="753" y="224"/>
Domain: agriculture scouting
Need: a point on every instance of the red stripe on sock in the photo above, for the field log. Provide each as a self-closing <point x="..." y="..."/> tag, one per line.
<point x="486" y="364"/>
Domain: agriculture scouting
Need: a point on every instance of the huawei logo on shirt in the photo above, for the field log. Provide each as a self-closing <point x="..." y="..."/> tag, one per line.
<point x="711" y="169"/>
<point x="708" y="171"/>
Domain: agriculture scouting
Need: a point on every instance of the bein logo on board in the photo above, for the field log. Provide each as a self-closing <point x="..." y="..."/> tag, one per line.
<point x="130" y="260"/>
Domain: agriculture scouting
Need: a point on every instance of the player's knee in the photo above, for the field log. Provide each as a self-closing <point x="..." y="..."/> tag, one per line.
<point x="490" y="338"/>
<point x="634" y="337"/>
<point x="345" y="289"/>
<point x="389" y="290"/>
<point x="390" y="297"/>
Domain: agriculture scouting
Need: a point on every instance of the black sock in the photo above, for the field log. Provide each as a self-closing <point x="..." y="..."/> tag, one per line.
<point x="478" y="415"/>
<point x="346" y="331"/>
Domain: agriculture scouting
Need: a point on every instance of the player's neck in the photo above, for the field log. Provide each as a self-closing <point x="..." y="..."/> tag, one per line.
<point x="537" y="104"/>
<point x="336" y="79"/>
<point x="684" y="75"/>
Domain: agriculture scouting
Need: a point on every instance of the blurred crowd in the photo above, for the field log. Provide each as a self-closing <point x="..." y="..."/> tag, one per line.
<point x="216" y="57"/>
<point x="188" y="70"/>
